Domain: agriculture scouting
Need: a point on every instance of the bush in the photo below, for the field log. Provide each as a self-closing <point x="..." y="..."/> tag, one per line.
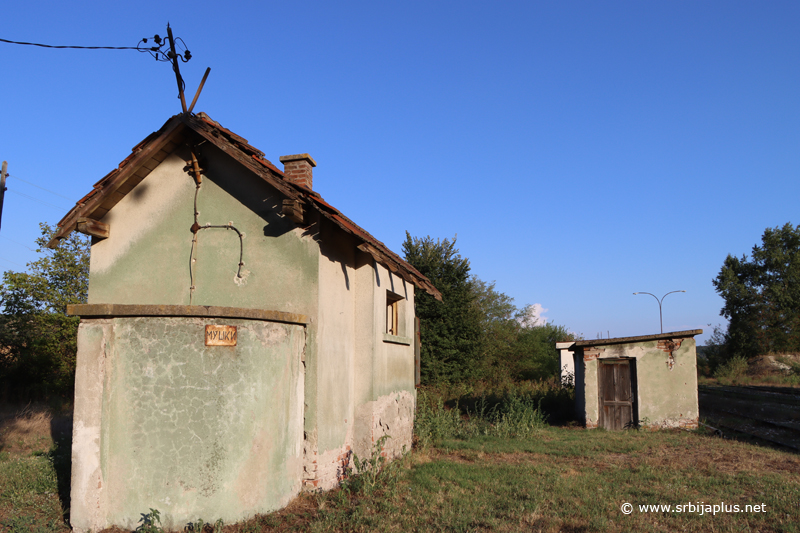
<point x="732" y="369"/>
<point x="433" y="422"/>
<point x="38" y="358"/>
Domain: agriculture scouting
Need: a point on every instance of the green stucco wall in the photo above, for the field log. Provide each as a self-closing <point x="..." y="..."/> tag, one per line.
<point x="194" y="431"/>
<point x="146" y="258"/>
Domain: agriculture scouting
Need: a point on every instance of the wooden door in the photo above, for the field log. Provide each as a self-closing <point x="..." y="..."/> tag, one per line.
<point x="616" y="394"/>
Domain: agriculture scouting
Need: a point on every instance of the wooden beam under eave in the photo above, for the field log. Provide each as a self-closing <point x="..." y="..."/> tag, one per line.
<point x="93" y="228"/>
<point x="293" y="209"/>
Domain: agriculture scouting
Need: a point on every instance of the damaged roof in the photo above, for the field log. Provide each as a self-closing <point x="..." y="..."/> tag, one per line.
<point x="179" y="129"/>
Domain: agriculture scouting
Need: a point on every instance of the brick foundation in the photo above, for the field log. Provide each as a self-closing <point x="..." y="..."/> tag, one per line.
<point x="325" y="471"/>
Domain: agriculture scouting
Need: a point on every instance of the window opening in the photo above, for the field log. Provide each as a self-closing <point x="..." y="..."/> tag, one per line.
<point x="393" y="313"/>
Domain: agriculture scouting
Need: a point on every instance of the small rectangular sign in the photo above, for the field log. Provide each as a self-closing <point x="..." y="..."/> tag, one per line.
<point x="220" y="335"/>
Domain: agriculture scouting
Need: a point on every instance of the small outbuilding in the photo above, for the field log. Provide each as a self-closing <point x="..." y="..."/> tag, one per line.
<point x="646" y="381"/>
<point x="242" y="337"/>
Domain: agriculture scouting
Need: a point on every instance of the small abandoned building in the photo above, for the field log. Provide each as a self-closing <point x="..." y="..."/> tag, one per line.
<point x="242" y="337"/>
<point x="648" y="381"/>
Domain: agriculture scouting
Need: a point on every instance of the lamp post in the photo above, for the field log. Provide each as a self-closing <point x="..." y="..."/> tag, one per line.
<point x="660" y="317"/>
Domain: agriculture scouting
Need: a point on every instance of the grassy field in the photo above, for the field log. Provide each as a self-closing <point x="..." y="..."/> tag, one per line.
<point x="552" y="479"/>
<point x="34" y="469"/>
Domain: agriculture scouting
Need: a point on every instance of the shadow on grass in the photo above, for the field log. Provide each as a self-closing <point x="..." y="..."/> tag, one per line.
<point x="61" y="456"/>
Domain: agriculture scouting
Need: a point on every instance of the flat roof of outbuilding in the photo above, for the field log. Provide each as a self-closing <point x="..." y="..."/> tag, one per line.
<point x="641" y="338"/>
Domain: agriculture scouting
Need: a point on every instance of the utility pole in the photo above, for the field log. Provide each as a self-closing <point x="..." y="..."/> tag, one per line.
<point x="3" y="174"/>
<point x="174" y="57"/>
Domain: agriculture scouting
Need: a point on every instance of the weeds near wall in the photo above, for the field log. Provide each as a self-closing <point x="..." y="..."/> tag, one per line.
<point x="151" y="523"/>
<point x="200" y="526"/>
<point x="148" y="521"/>
<point x="433" y="422"/>
<point x="366" y="475"/>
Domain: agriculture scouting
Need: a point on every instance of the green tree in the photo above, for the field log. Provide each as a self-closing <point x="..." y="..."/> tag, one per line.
<point x="37" y="338"/>
<point x="515" y="344"/>
<point x="534" y="353"/>
<point x="499" y="330"/>
<point x="451" y="329"/>
<point x="762" y="295"/>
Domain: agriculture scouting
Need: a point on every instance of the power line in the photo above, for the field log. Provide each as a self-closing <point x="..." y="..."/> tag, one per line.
<point x="39" y="187"/>
<point x="158" y="51"/>
<point x="12" y="262"/>
<point x="40" y="201"/>
<point x="78" y="47"/>
<point x="17" y="242"/>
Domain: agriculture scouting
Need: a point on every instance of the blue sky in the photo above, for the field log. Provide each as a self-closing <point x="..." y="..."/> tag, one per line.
<point x="581" y="151"/>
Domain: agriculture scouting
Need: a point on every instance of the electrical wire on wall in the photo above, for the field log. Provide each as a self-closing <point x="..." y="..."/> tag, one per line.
<point x="196" y="227"/>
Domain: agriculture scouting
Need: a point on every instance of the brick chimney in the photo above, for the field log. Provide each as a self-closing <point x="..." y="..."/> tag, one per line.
<point x="297" y="169"/>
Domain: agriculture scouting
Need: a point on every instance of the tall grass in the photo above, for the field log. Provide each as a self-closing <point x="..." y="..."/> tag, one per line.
<point x="516" y="410"/>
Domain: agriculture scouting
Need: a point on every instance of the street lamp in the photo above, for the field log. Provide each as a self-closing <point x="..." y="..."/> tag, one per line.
<point x="660" y="318"/>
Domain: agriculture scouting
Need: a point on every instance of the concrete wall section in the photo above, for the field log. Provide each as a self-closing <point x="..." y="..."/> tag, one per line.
<point x="566" y="362"/>
<point x="368" y="321"/>
<point x="591" y="410"/>
<point x="667" y="388"/>
<point x="87" y="502"/>
<point x="354" y="349"/>
<point x="191" y="430"/>
<point x="329" y="429"/>
<point x="149" y="242"/>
